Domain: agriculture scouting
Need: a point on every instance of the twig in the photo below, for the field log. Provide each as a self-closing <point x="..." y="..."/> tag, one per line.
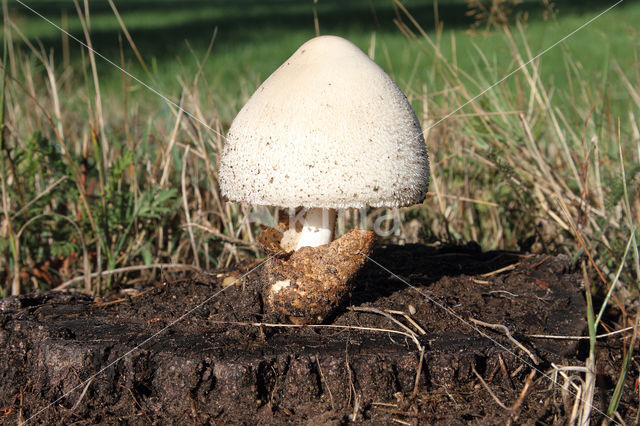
<point x="535" y="265"/>
<point x="599" y="336"/>
<point x="40" y="195"/>
<point x="129" y="39"/>
<point x="384" y="404"/>
<point x="415" y="324"/>
<point x="498" y="271"/>
<point x="344" y="327"/>
<point x="172" y="141"/>
<point x="220" y="235"/>
<point x="410" y="332"/>
<point x="586" y="403"/>
<point x="123" y="299"/>
<point x="507" y="333"/>
<point x="128" y="269"/>
<point x="187" y="215"/>
<point x="415" y="383"/>
<point x="505" y="292"/>
<point x="408" y="318"/>
<point x="84" y="392"/>
<point x="486" y="386"/>
<point x="513" y="417"/>
<point x="20" y="409"/>
<point x="470" y="200"/>
<point x="503" y="367"/>
<point x="352" y="388"/>
<point x="135" y="401"/>
<point x="356" y="405"/>
<point x="324" y="380"/>
<point x="574" y="410"/>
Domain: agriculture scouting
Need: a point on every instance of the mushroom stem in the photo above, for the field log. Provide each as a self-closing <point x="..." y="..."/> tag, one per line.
<point x="318" y="228"/>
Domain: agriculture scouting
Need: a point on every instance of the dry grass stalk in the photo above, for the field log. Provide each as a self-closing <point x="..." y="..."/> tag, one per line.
<point x="507" y="333"/>
<point x="488" y="389"/>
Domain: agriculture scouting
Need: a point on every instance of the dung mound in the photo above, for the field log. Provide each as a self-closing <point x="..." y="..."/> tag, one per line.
<point x="192" y="350"/>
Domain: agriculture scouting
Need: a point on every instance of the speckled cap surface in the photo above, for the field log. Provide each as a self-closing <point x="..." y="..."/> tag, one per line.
<point x="328" y="129"/>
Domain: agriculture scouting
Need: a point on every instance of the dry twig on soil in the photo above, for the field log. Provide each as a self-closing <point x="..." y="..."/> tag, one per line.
<point x="128" y="269"/>
<point x="507" y="333"/>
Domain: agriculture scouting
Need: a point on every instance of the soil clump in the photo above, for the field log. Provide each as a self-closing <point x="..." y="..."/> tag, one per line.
<point x="409" y="345"/>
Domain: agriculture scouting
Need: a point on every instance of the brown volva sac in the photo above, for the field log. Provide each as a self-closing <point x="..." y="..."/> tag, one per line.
<point x="307" y="285"/>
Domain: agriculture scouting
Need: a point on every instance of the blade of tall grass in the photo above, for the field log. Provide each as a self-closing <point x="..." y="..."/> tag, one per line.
<point x="13" y="241"/>
<point x="617" y="392"/>
<point x="615" y="281"/>
<point x="185" y="205"/>
<point x="627" y="207"/>
<point x="590" y="365"/>
<point x="85" y="22"/>
<point x="130" y="40"/>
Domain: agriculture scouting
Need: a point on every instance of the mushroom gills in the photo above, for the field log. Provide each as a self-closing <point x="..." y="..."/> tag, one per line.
<point x="318" y="228"/>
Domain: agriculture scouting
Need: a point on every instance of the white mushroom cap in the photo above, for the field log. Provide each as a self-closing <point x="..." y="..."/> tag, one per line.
<point x="328" y="129"/>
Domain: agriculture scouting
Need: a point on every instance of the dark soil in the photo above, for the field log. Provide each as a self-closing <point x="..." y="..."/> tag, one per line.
<point x="192" y="351"/>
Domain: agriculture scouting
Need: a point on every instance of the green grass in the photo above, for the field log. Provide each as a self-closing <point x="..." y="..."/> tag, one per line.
<point x="253" y="38"/>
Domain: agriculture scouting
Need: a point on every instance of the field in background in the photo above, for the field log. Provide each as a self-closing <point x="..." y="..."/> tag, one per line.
<point x="252" y="38"/>
<point x="99" y="173"/>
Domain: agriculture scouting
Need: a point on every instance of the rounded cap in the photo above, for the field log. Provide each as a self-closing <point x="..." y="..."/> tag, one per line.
<point x="328" y="129"/>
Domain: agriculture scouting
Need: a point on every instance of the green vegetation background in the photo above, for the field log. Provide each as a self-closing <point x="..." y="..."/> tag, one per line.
<point x="92" y="179"/>
<point x="254" y="37"/>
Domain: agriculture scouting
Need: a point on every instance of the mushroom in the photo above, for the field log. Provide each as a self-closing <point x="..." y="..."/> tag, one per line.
<point x="329" y="129"/>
